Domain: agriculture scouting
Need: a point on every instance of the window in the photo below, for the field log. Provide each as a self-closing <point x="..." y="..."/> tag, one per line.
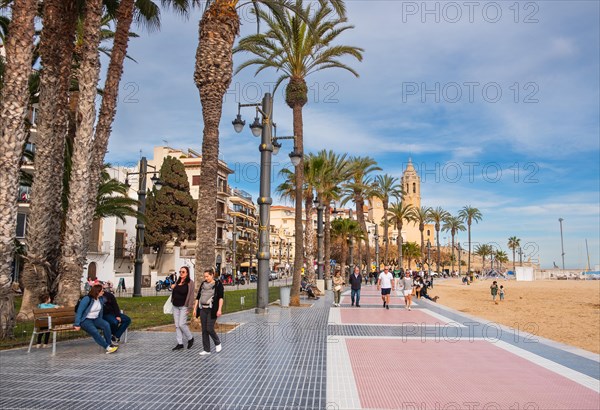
<point x="120" y="244"/>
<point x="414" y="188"/>
<point x="92" y="271"/>
<point x="195" y="180"/>
<point x="428" y="232"/>
<point x="21" y="225"/>
<point x="95" y="243"/>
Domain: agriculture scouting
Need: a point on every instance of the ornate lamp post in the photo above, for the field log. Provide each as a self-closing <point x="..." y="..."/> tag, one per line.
<point x="269" y="145"/>
<point x="376" y="237"/>
<point x="140" y="226"/>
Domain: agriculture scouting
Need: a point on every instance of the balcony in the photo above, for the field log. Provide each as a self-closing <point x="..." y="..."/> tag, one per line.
<point x="221" y="216"/>
<point x="24" y="194"/>
<point x="100" y="247"/>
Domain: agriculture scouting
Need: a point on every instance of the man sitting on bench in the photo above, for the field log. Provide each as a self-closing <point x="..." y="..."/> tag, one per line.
<point x="112" y="314"/>
<point x="307" y="287"/>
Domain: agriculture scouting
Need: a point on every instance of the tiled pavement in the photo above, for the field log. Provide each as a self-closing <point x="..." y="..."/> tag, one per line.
<point x="315" y="358"/>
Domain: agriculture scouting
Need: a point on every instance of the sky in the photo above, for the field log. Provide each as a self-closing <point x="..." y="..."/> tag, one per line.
<point x="496" y="103"/>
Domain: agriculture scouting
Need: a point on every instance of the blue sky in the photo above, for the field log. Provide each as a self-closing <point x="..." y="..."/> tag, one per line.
<point x="497" y="104"/>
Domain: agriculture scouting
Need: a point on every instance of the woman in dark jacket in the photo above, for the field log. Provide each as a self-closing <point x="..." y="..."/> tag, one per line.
<point x="182" y="298"/>
<point x="89" y="318"/>
<point x="208" y="305"/>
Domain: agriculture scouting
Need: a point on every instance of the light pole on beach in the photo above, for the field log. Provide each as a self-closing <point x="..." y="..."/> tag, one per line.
<point x="428" y="256"/>
<point x="269" y="145"/>
<point x="562" y="248"/>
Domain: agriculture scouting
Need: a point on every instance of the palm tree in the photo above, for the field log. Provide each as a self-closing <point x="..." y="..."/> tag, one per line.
<point x="454" y="225"/>
<point x="112" y="199"/>
<point x="469" y="215"/>
<point x="422" y="218"/>
<point x="358" y="189"/>
<point x="400" y="213"/>
<point x="313" y="168"/>
<point x="14" y="97"/>
<point x="386" y="187"/>
<point x="501" y="257"/>
<point x="297" y="45"/>
<point x="412" y="251"/>
<point x="484" y="251"/>
<point x="514" y="243"/>
<point x="343" y="229"/>
<point x="437" y="216"/>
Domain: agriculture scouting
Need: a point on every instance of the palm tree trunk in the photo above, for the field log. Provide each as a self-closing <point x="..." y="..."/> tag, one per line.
<point x="452" y="259"/>
<point x="15" y="98"/>
<point x="514" y="262"/>
<point x="469" y="255"/>
<point x="73" y="251"/>
<point x="437" y="237"/>
<point x="344" y="258"/>
<point x="399" y="240"/>
<point x="385" y="232"/>
<point x="46" y="216"/>
<point x="213" y="72"/>
<point x="422" y="228"/>
<point x="309" y="239"/>
<point x="327" y="243"/>
<point x="360" y="215"/>
<point x="108" y="108"/>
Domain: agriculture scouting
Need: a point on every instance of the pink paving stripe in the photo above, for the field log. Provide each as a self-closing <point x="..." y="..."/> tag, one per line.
<point x="387" y="317"/>
<point x="430" y="375"/>
<point x="374" y="300"/>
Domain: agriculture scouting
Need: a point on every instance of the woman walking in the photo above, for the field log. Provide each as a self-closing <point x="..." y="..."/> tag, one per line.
<point x="407" y="285"/>
<point x="89" y="318"/>
<point x="209" y="305"/>
<point x="338" y="282"/>
<point x="183" y="300"/>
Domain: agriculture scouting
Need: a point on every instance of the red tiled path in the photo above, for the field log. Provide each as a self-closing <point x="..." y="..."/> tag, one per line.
<point x="415" y="374"/>
<point x="383" y="316"/>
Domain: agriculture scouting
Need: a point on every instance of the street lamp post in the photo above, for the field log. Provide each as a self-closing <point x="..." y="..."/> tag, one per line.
<point x="459" y="252"/>
<point x="269" y="145"/>
<point x="562" y="248"/>
<point x="320" y="239"/>
<point x="520" y="256"/>
<point x="351" y="251"/>
<point x="140" y="225"/>
<point x="428" y="256"/>
<point x="376" y="237"/>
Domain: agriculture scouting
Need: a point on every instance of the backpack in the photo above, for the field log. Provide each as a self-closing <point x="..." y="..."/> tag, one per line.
<point x="78" y="302"/>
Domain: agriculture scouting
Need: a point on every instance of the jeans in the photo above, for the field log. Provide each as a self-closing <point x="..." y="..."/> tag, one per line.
<point x="91" y="326"/>
<point x="117" y="328"/>
<point x="208" y="329"/>
<point x="181" y="328"/>
<point x="355" y="293"/>
<point x="336" y="296"/>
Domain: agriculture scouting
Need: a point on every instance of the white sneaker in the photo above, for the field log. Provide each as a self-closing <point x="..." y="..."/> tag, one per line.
<point x="203" y="353"/>
<point x="111" y="349"/>
<point x="409" y="308"/>
<point x="218" y="348"/>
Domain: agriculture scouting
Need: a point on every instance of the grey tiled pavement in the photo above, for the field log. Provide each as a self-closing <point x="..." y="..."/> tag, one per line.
<point x="274" y="361"/>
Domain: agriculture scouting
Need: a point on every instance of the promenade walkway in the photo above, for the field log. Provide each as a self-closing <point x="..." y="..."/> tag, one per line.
<point x="317" y="357"/>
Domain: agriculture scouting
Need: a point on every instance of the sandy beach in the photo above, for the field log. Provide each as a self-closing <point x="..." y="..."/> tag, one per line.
<point x="564" y="311"/>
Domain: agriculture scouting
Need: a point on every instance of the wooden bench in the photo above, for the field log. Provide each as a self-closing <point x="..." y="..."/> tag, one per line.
<point x="55" y="320"/>
<point x="52" y="320"/>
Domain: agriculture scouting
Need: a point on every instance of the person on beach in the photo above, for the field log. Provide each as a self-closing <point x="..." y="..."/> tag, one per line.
<point x="89" y="318"/>
<point x="407" y="288"/>
<point x="385" y="283"/>
<point x="208" y="306"/>
<point x="494" y="291"/>
<point x="501" y="291"/>
<point x="355" y="285"/>
<point x="338" y="282"/>
<point x="44" y="304"/>
<point x="182" y="297"/>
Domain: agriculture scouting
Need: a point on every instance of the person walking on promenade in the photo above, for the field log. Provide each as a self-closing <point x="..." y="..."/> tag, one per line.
<point x="407" y="287"/>
<point x="112" y="314"/>
<point x="355" y="285"/>
<point x="44" y="304"/>
<point x="89" y="318"/>
<point x="494" y="291"/>
<point x="385" y="283"/>
<point x="209" y="305"/>
<point x="501" y="292"/>
<point x="338" y="282"/>
<point x="183" y="300"/>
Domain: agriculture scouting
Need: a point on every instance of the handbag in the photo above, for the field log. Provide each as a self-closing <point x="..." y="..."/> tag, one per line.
<point x="168" y="307"/>
<point x="337" y="288"/>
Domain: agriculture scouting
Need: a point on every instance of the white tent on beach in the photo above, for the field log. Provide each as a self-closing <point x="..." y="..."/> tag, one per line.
<point x="525" y="273"/>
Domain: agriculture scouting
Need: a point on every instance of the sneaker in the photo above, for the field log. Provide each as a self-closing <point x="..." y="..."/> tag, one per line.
<point x="387" y="307"/>
<point x="409" y="308"/>
<point x="383" y="304"/>
<point x="204" y="353"/>
<point x="218" y="348"/>
<point x="114" y="341"/>
<point x="357" y="305"/>
<point x="178" y="347"/>
<point x="353" y="304"/>
<point x="111" y="349"/>
<point x="37" y="346"/>
<point x="190" y="343"/>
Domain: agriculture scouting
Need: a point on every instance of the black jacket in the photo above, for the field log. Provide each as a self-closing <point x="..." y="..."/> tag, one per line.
<point x="111" y="307"/>
<point x="355" y="281"/>
<point x="219" y="293"/>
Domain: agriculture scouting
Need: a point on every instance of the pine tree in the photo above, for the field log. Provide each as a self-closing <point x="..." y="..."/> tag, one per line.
<point x="171" y="212"/>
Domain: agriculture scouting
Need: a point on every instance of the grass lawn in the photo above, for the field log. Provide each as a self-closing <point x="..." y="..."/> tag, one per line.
<point x="144" y="312"/>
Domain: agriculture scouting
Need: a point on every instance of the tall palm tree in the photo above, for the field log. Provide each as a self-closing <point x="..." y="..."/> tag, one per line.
<point x="437" y="216"/>
<point x="401" y="212"/>
<point x="343" y="229"/>
<point x="484" y="251"/>
<point x="469" y="214"/>
<point x="313" y="168"/>
<point x="297" y="45"/>
<point x="514" y="243"/>
<point x="386" y="187"/>
<point x="454" y="225"/>
<point x="14" y="97"/>
<point x="422" y="218"/>
<point x="357" y="189"/>
<point x="501" y="258"/>
<point x="412" y="251"/>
